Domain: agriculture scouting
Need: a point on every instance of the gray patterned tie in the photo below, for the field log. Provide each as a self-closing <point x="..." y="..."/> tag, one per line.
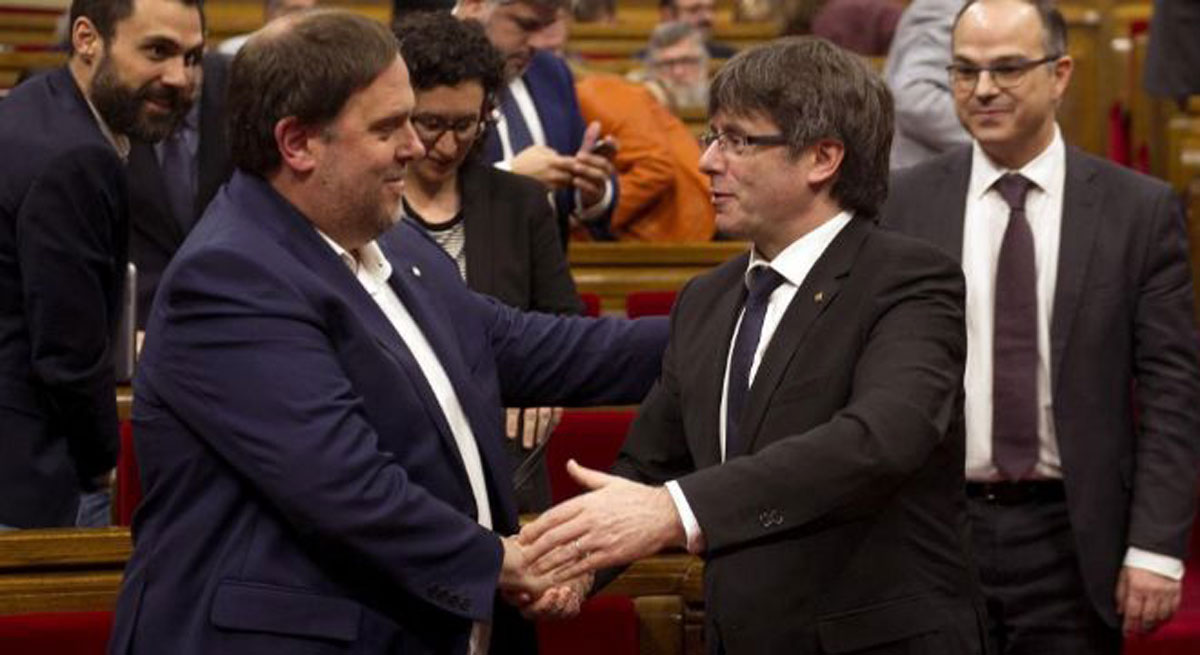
<point x="1014" y="367"/>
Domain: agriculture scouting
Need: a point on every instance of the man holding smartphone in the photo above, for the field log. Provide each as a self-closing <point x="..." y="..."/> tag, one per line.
<point x="539" y="131"/>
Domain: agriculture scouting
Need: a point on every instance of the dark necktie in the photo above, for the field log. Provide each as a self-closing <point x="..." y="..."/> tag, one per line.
<point x="1015" y="355"/>
<point x="179" y="176"/>
<point x="519" y="137"/>
<point x="763" y="280"/>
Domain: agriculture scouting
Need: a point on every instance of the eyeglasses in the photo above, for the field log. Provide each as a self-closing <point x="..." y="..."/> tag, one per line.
<point x="430" y="127"/>
<point x="736" y="144"/>
<point x="677" y="62"/>
<point x="965" y="77"/>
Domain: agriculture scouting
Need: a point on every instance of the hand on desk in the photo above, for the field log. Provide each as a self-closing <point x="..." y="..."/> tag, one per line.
<point x="617" y="522"/>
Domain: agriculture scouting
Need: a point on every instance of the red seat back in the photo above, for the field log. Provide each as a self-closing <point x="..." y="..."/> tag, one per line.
<point x="55" y="633"/>
<point x="129" y="485"/>
<point x="649" y="303"/>
<point x="592" y="438"/>
<point x="591" y="304"/>
<point x="608" y="625"/>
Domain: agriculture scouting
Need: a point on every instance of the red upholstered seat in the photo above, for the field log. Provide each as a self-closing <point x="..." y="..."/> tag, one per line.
<point x="55" y="633"/>
<point x="649" y="303"/>
<point x="591" y="304"/>
<point x="592" y="438"/>
<point x="129" y="484"/>
<point x="608" y="625"/>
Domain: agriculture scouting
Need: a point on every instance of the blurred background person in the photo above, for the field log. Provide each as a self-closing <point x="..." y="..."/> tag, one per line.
<point x="539" y="131"/>
<point x="926" y="123"/>
<point x="497" y="226"/>
<point x="699" y="14"/>
<point x="272" y="9"/>
<point x="664" y="196"/>
<point x="676" y="61"/>
<point x="862" y="26"/>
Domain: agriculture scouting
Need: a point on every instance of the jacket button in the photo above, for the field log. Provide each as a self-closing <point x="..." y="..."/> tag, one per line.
<point x="764" y="518"/>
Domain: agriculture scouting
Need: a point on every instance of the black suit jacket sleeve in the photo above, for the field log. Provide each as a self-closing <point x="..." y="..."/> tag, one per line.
<point x="553" y="288"/>
<point x="72" y="248"/>
<point x="1167" y="389"/>
<point x="905" y="395"/>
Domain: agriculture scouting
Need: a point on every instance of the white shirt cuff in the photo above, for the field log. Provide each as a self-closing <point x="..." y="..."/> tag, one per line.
<point x="589" y="214"/>
<point x="695" y="538"/>
<point x="504" y="165"/>
<point x="1164" y="565"/>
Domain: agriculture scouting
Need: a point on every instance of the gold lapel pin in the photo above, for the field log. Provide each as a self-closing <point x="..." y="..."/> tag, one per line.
<point x="819" y="296"/>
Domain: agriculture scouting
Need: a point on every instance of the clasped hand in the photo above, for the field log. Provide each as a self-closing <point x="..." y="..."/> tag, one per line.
<point x="539" y="595"/>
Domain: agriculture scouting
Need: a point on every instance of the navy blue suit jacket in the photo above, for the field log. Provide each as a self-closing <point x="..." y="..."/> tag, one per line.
<point x="552" y="88"/>
<point x="303" y="492"/>
<point x="63" y="231"/>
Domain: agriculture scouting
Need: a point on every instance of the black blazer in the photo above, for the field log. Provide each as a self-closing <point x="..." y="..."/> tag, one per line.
<point x="1173" y="58"/>
<point x="1122" y="321"/>
<point x="845" y="526"/>
<point x="512" y="249"/>
<point x="63" y="226"/>
<point x="155" y="234"/>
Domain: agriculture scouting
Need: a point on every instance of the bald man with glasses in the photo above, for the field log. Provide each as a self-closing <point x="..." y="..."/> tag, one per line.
<point x="1082" y="378"/>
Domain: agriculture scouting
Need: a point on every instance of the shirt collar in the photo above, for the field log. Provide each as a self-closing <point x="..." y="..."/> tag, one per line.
<point x="1040" y="170"/>
<point x="371" y="266"/>
<point x="795" y="261"/>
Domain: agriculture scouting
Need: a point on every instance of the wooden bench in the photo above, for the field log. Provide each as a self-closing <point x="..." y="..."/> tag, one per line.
<point x="80" y="570"/>
<point x="613" y="270"/>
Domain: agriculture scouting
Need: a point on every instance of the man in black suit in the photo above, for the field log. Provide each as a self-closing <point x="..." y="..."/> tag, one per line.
<point x="171" y="182"/>
<point x="63" y="245"/>
<point x="826" y="494"/>
<point x="1173" y="58"/>
<point x="1079" y="321"/>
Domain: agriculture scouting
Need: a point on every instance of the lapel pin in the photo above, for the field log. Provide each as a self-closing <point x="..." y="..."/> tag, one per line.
<point x="819" y="297"/>
<point x="416" y="271"/>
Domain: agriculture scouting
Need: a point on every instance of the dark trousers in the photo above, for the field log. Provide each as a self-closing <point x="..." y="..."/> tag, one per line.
<point x="1036" y="600"/>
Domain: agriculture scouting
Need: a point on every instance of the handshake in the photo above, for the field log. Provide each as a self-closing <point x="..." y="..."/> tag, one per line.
<point x="549" y="567"/>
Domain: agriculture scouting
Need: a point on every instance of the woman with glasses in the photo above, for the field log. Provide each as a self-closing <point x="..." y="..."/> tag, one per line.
<point x="497" y="226"/>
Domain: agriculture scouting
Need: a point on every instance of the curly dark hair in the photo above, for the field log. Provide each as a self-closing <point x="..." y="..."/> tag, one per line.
<point x="442" y="50"/>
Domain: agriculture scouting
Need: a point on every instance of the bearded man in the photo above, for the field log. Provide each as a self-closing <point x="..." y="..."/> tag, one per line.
<point x="64" y="137"/>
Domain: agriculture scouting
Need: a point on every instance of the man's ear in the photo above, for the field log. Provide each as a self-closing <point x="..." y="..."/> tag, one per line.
<point x="295" y="143"/>
<point x="827" y="156"/>
<point x="86" y="41"/>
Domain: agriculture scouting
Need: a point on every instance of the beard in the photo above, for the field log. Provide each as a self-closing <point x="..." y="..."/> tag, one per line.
<point x="687" y="96"/>
<point x="124" y="109"/>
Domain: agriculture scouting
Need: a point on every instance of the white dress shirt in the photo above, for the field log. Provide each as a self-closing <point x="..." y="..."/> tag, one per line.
<point x="983" y="231"/>
<point x="793" y="263"/>
<point x="520" y="94"/>
<point x="372" y="270"/>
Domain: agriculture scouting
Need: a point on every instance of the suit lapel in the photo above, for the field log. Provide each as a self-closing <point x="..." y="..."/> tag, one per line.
<point x="950" y="203"/>
<point x="480" y="229"/>
<point x="159" y="222"/>
<point x="1079" y="225"/>
<point x="420" y="304"/>
<point x="728" y="306"/>
<point x="818" y="291"/>
<point x="315" y="255"/>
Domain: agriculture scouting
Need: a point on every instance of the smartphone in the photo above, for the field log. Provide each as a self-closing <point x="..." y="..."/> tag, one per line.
<point x="605" y="147"/>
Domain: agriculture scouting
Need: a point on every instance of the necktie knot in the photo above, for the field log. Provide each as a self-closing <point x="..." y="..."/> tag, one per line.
<point x="763" y="281"/>
<point x="1013" y="187"/>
